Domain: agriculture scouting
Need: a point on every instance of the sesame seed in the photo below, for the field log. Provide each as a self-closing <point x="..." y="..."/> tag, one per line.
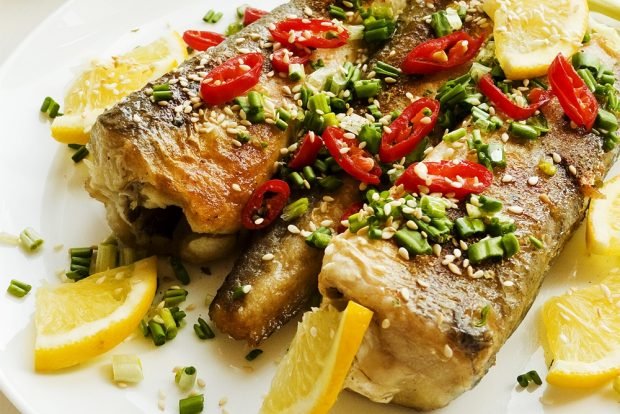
<point x="267" y="257"/>
<point x="201" y="383"/>
<point x="463" y="245"/>
<point x="544" y="198"/>
<point x="533" y="180"/>
<point x="349" y="135"/>
<point x="403" y="253"/>
<point x="344" y="150"/>
<point x="556" y="158"/>
<point x="422" y="283"/>
<point x="506" y="283"/>
<point x="457" y="253"/>
<point x="244" y="50"/>
<point x="466" y="263"/>
<point x="447" y="351"/>
<point x="515" y="209"/>
<point x="385" y="323"/>
<point x="259" y="221"/>
<point x="389" y="79"/>
<point x="293" y="229"/>
<point x="507" y="178"/>
<point x="454" y="269"/>
<point x="505" y="137"/>
<point x="478" y="274"/>
<point x="572" y="169"/>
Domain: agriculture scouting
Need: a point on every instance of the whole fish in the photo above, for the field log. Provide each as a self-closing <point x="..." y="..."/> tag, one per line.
<point x="439" y="319"/>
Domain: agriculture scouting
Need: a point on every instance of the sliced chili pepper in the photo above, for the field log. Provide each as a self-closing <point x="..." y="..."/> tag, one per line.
<point x="356" y="161"/>
<point x="312" y="33"/>
<point x="282" y="58"/>
<point x="251" y="14"/>
<point x="459" y="177"/>
<point x="307" y="152"/>
<point x="440" y="54"/>
<point x="576" y="99"/>
<point x="409" y="129"/>
<point x="352" y="209"/>
<point x="202" y="40"/>
<point x="266" y="203"/>
<point x="231" y="79"/>
<point x="538" y="97"/>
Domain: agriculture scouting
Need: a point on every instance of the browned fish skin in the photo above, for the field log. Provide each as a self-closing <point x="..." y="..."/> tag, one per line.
<point x="151" y="173"/>
<point x="282" y="286"/>
<point x="424" y="347"/>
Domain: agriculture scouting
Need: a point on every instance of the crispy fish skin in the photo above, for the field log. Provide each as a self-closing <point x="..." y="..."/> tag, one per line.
<point x="143" y="164"/>
<point x="425" y="346"/>
<point x="283" y="286"/>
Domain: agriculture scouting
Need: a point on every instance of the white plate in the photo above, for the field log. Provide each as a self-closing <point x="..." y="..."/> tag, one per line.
<point x="42" y="188"/>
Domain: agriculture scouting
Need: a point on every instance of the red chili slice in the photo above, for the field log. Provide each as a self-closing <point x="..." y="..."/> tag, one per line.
<point x="266" y="203"/>
<point x="307" y="152"/>
<point x="440" y="54"/>
<point x="408" y="129"/>
<point x="282" y="58"/>
<point x="356" y="161"/>
<point x="231" y="79"/>
<point x="312" y="33"/>
<point x="576" y="99"/>
<point x="538" y="97"/>
<point x="459" y="177"/>
<point x="250" y="15"/>
<point x="202" y="40"/>
<point x="352" y="209"/>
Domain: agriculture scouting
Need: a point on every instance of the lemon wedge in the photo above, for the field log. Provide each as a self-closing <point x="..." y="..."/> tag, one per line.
<point x="78" y="321"/>
<point x="311" y="375"/>
<point x="603" y="223"/>
<point x="105" y="83"/>
<point x="529" y="34"/>
<point x="583" y="335"/>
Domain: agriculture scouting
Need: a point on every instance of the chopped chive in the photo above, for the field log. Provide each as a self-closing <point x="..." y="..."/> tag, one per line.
<point x="295" y="209"/>
<point x="192" y="405"/>
<point x="455" y="135"/>
<point x="199" y="331"/>
<point x="80" y="154"/>
<point x="106" y="257"/>
<point x="319" y="102"/>
<point x="296" y="72"/>
<point x="75" y="275"/>
<point x="161" y="87"/>
<point x="382" y="68"/>
<point x="253" y="354"/>
<point x="337" y="12"/>
<point x="606" y="120"/>
<point x="216" y="17"/>
<point x="296" y="178"/>
<point x="523" y="131"/>
<point x="535" y="377"/>
<point x="255" y="101"/>
<point x="523" y="380"/>
<point x="205" y="329"/>
<point x="81" y="261"/>
<point x="536" y="243"/>
<point x="308" y="173"/>
<point x="185" y="378"/>
<point x="170" y="325"/>
<point x="586" y="60"/>
<point x="241" y="10"/>
<point x="233" y="28"/>
<point x="179" y="270"/>
<point x="319" y="238"/>
<point x="46" y="104"/>
<point x="50" y="106"/>
<point x="207" y="17"/>
<point x="18" y="289"/>
<point x="157" y="333"/>
<point x="30" y="240"/>
<point x="162" y="95"/>
<point x="127" y="256"/>
<point x="281" y="125"/>
<point x="284" y="114"/>
<point x="484" y="314"/>
<point x="433" y="206"/>
<point x="144" y="328"/>
<point x="367" y="88"/>
<point x="330" y="182"/>
<point x="330" y="119"/>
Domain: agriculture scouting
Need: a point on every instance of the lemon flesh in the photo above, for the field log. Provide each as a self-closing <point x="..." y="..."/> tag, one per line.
<point x="105" y="83"/>
<point x="311" y="375"/>
<point x="529" y="34"/>
<point x="603" y="223"/>
<point x="78" y="321"/>
<point x="582" y="331"/>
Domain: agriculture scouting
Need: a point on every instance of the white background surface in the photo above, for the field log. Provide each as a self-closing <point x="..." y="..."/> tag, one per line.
<point x="19" y="17"/>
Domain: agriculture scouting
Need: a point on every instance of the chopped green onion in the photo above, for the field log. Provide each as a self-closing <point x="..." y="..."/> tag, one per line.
<point x="281" y="125"/>
<point x="490" y="205"/>
<point x="536" y="242"/>
<point x="510" y="244"/>
<point x="337" y="12"/>
<point x="478" y="70"/>
<point x="319" y="238"/>
<point x="161" y="87"/>
<point x="588" y="78"/>
<point x="179" y="270"/>
<point x="372" y="137"/>
<point x="485" y="249"/>
<point x="308" y="173"/>
<point x="374" y="111"/>
<point x="207" y="17"/>
<point x="296" y="178"/>
<point x="523" y="131"/>
<point x="157" y="333"/>
<point x="367" y="88"/>
<point x="80" y="154"/>
<point x="50" y="106"/>
<point x="412" y="241"/>
<point x="606" y="120"/>
<point x="484" y="315"/>
<point x="382" y="68"/>
<point x="586" y="60"/>
<point x="467" y="227"/>
<point x="192" y="405"/>
<point x="330" y="119"/>
<point x="586" y="38"/>
<point x="159" y="96"/>
<point x="433" y="206"/>
<point x="233" y="28"/>
<point x="106" y="257"/>
<point x="284" y="115"/>
<point x="206" y="329"/>
<point x="170" y="325"/>
<point x="30" y="240"/>
<point x="126" y="368"/>
<point x="173" y="297"/>
<point x="498" y="226"/>
<point x="295" y="209"/>
<point x="253" y="354"/>
<point x="296" y="72"/>
<point x="330" y="182"/>
<point x="18" y="289"/>
<point x="240" y="291"/>
<point x="241" y="10"/>
<point x="455" y="135"/>
<point x="314" y="122"/>
<point x="319" y="102"/>
<point x="440" y="24"/>
<point x="255" y="101"/>
<point x="185" y="378"/>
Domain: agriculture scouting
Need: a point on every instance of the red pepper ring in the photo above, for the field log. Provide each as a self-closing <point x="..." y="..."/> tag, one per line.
<point x="307" y="152"/>
<point x="538" y="97"/>
<point x="265" y="204"/>
<point x="202" y="40"/>
<point x="408" y="129"/>
<point x="312" y="33"/>
<point x="576" y="99"/>
<point x="458" y="177"/>
<point x="427" y="57"/>
<point x="352" y="209"/>
<point x="251" y="14"/>
<point x="356" y="161"/>
<point x="232" y="78"/>
<point x="281" y="63"/>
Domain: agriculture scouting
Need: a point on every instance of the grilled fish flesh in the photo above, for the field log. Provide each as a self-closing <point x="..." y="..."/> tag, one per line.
<point x="427" y="344"/>
<point x="173" y="178"/>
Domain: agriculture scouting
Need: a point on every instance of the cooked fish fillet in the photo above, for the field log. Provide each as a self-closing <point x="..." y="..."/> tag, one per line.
<point x="155" y="167"/>
<point x="425" y="346"/>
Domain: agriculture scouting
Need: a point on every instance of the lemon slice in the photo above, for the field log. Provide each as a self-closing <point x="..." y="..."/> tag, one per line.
<point x="78" y="321"/>
<point x="603" y="223"/>
<point x="583" y="335"/>
<point x="529" y="34"/>
<point x="311" y="375"/>
<point x="105" y="83"/>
